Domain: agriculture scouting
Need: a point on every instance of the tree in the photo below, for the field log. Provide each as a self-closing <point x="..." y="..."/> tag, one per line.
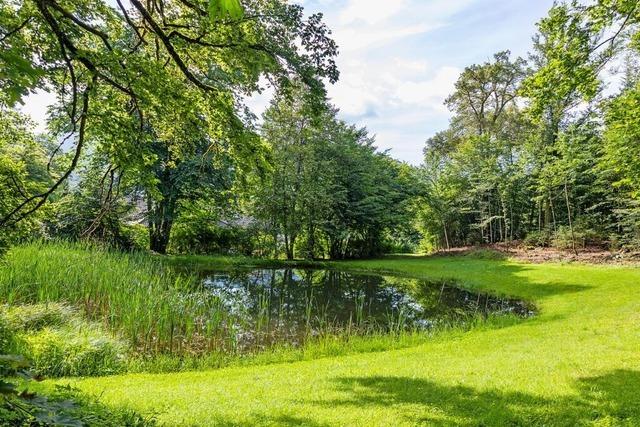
<point x="481" y="153"/>
<point x="571" y="50"/>
<point x="178" y="179"/>
<point x="23" y="169"/>
<point x="484" y="93"/>
<point x="328" y="190"/>
<point x="110" y="66"/>
<point x="97" y="205"/>
<point x="621" y="160"/>
<point x="501" y="172"/>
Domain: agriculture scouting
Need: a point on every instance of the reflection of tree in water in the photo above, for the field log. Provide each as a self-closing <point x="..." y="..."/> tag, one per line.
<point x="288" y="305"/>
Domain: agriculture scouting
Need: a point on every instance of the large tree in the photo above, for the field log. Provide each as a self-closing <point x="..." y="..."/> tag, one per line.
<point x="329" y="191"/>
<point x="119" y="71"/>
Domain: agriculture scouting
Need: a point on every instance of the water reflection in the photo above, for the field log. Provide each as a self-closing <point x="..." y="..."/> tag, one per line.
<point x="268" y="306"/>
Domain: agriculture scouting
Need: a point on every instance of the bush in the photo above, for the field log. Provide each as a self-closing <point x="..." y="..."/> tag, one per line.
<point x="583" y="237"/>
<point x="537" y="239"/>
<point x="212" y="238"/>
<point x="138" y="235"/>
<point x="35" y="317"/>
<point x="72" y="352"/>
<point x="7" y="336"/>
<point x="483" y="253"/>
<point x="20" y="406"/>
<point x="58" y="341"/>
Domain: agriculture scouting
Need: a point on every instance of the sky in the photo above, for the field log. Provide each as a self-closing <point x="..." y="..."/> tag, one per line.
<point x="399" y="60"/>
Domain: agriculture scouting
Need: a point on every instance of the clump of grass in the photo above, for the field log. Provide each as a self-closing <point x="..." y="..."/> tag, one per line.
<point x="337" y="343"/>
<point x="485" y="254"/>
<point x="319" y="347"/>
<point x="58" y="341"/>
<point x="72" y="351"/>
<point x="35" y="317"/>
<point x="132" y="294"/>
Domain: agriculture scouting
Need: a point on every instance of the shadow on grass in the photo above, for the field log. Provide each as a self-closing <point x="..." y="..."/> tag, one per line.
<point x="611" y="399"/>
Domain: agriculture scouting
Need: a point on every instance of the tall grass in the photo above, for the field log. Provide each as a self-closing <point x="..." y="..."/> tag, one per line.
<point x="132" y="294"/>
<point x="159" y="310"/>
<point x="171" y="320"/>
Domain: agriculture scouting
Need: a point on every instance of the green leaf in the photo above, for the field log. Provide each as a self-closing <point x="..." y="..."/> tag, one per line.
<point x="222" y="9"/>
<point x="7" y="388"/>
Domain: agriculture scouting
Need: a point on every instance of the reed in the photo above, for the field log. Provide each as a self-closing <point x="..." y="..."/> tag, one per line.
<point x="168" y="316"/>
<point x="132" y="294"/>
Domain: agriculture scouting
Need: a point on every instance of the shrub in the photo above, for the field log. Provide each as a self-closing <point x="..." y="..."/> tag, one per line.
<point x="7" y="335"/>
<point x="72" y="351"/>
<point x="20" y="406"/>
<point x="212" y="238"/>
<point x="537" y="239"/>
<point x="583" y="237"/>
<point x="34" y="317"/>
<point x="483" y="253"/>
<point x="58" y="341"/>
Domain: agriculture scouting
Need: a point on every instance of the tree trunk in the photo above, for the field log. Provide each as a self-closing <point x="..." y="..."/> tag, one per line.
<point x="446" y="235"/>
<point x="160" y="221"/>
<point x="289" y="247"/>
<point x="553" y="214"/>
<point x="573" y="237"/>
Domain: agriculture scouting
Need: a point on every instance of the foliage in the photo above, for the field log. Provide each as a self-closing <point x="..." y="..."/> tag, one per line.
<point x="122" y="89"/>
<point x="622" y="134"/>
<point x="63" y="407"/>
<point x="95" y="208"/>
<point x="471" y="179"/>
<point x="329" y="192"/>
<point x="543" y="173"/>
<point x="23" y="170"/>
<point x="72" y="351"/>
<point x="202" y="230"/>
<point x="58" y="342"/>
<point x="37" y="317"/>
<point x="153" y="308"/>
<point x="200" y="175"/>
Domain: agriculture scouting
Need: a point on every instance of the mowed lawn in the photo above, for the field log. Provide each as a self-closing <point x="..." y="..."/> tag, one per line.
<point x="576" y="363"/>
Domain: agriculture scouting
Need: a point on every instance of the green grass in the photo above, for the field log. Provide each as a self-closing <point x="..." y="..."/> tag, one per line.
<point x="576" y="363"/>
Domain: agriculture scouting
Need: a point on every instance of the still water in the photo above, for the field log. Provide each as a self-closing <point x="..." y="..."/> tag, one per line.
<point x="271" y="306"/>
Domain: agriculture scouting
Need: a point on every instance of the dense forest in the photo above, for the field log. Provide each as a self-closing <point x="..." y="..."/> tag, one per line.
<point x="150" y="144"/>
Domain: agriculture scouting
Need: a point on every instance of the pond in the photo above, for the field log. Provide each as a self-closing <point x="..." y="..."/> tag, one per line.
<point x="264" y="307"/>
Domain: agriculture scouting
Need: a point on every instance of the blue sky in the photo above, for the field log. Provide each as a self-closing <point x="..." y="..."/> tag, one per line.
<point x="399" y="59"/>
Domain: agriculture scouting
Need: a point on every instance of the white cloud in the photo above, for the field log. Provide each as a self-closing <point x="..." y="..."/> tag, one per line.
<point x="359" y="38"/>
<point x="430" y="92"/>
<point x="368" y="88"/>
<point x="381" y="85"/>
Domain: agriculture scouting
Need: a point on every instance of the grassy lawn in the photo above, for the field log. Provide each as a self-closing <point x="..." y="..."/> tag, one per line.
<point x="576" y="363"/>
